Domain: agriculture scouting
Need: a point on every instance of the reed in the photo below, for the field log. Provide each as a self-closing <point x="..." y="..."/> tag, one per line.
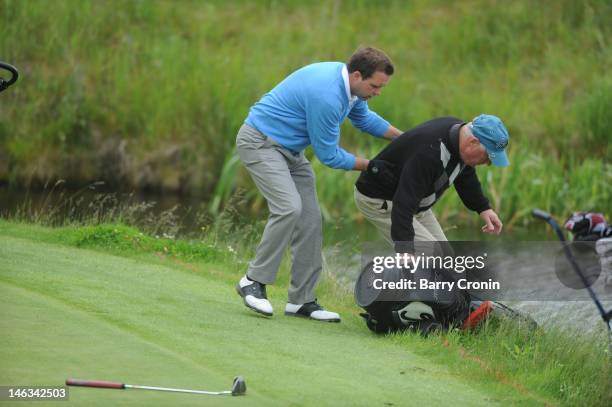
<point x="151" y="94"/>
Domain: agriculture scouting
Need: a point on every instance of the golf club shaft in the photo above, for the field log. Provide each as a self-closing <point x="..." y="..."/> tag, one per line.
<point x="135" y="386"/>
<point x="572" y="260"/>
<point x="120" y="386"/>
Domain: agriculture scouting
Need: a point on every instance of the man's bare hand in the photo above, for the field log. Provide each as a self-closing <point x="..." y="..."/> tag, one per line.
<point x="492" y="223"/>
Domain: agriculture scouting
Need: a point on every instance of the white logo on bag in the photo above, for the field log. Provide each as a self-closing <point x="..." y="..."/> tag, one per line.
<point x="415" y="311"/>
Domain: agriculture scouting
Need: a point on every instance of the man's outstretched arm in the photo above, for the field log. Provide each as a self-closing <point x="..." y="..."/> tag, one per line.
<point x="468" y="187"/>
<point x="370" y="122"/>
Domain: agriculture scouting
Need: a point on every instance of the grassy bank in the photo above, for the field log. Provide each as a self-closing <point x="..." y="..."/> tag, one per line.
<point x="151" y="94"/>
<point x="120" y="304"/>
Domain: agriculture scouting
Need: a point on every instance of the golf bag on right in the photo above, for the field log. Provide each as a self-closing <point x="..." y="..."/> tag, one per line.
<point x="592" y="227"/>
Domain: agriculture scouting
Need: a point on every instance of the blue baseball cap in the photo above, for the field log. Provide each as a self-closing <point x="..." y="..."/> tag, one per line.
<point x="493" y="135"/>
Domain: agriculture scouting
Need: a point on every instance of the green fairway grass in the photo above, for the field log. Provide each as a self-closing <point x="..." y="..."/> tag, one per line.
<point x="70" y="312"/>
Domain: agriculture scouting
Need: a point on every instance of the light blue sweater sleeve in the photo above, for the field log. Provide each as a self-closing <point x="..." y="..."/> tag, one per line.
<point x="323" y="120"/>
<point x="366" y="120"/>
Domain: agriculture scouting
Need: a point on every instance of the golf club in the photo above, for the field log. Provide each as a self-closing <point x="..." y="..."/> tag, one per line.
<point x="606" y="315"/>
<point x="4" y="84"/>
<point x="238" y="387"/>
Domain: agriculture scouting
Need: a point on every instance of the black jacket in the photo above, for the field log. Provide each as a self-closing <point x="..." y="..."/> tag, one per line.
<point x="427" y="161"/>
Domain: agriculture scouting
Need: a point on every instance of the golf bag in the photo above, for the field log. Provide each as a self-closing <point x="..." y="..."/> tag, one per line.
<point x="416" y="316"/>
<point x="413" y="310"/>
<point x="588" y="226"/>
<point x="592" y="227"/>
<point x="425" y="311"/>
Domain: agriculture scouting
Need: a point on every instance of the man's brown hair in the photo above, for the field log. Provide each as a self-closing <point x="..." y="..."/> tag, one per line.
<point x="369" y="60"/>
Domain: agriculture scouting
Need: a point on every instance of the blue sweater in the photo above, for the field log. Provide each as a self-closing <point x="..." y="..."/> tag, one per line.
<point x="308" y="107"/>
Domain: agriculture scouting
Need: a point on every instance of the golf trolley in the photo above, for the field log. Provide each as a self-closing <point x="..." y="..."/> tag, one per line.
<point x="606" y="315"/>
<point x="4" y="84"/>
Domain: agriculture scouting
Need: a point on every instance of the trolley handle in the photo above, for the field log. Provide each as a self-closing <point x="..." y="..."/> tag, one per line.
<point x="14" y="75"/>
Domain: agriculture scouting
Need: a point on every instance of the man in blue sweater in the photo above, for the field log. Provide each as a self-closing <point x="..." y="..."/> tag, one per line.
<point x="307" y="108"/>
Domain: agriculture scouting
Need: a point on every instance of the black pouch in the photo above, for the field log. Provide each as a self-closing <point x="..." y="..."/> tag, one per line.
<point x="420" y="311"/>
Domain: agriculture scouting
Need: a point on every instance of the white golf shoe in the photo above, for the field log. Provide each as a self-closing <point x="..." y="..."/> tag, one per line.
<point x="254" y="296"/>
<point x="311" y="310"/>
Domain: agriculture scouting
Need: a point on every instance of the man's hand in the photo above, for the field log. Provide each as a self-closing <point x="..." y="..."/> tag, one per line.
<point x="392" y="133"/>
<point x="492" y="222"/>
<point x="383" y="172"/>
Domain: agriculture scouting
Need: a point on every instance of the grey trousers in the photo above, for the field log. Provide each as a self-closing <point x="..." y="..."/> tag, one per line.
<point x="287" y="182"/>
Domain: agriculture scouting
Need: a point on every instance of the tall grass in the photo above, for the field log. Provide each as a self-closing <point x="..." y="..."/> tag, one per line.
<point x="90" y="207"/>
<point x="150" y="94"/>
<point x="561" y="185"/>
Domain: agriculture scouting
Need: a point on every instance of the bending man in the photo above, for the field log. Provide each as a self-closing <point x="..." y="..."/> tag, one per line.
<point x="427" y="160"/>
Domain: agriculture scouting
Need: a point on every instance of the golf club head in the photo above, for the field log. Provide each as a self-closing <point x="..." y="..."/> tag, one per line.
<point x="239" y="386"/>
<point x="548" y="218"/>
